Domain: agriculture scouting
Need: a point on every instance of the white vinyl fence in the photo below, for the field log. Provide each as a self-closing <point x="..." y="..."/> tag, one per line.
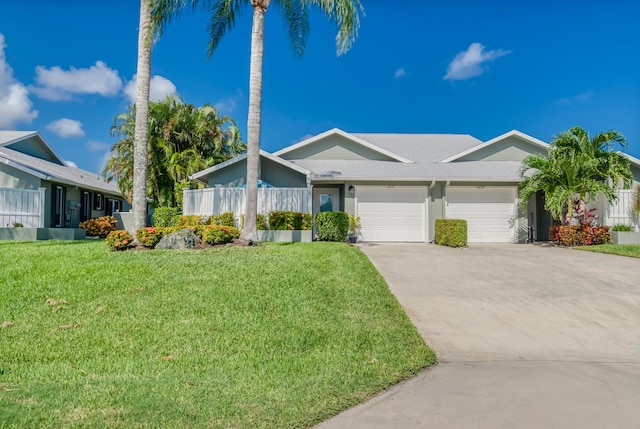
<point x="25" y="206"/>
<point x="620" y="211"/>
<point x="213" y="201"/>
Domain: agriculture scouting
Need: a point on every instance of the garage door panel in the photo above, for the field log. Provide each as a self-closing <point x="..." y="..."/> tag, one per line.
<point x="391" y="214"/>
<point x="489" y="211"/>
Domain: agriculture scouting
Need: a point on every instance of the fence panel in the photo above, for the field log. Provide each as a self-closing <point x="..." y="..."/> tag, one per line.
<point x="620" y="212"/>
<point x="25" y="206"/>
<point x="212" y="201"/>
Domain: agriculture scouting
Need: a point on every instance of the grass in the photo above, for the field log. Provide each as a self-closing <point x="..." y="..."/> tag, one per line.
<point x="632" y="250"/>
<point x="273" y="336"/>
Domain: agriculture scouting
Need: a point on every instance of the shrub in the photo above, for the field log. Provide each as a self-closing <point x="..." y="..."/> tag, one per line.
<point x="119" y="240"/>
<point x="149" y="237"/>
<point x="622" y="228"/>
<point x="18" y="225"/>
<point x="165" y="216"/>
<point x="219" y="234"/>
<point x="307" y="221"/>
<point x="287" y="220"/>
<point x="580" y="235"/>
<point x="100" y="227"/>
<point x="354" y="225"/>
<point x="261" y="222"/>
<point x="332" y="226"/>
<point x="225" y="219"/>
<point x="451" y="232"/>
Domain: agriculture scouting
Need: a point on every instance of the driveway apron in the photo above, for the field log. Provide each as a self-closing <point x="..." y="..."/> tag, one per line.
<point x="527" y="336"/>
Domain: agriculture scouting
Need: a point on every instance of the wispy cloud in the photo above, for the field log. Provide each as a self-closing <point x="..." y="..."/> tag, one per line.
<point x="71" y="164"/>
<point x="56" y="84"/>
<point x="399" y="73"/>
<point x="66" y="128"/>
<point x="583" y="97"/>
<point x="96" y="146"/>
<point x="159" y="88"/>
<point x="303" y="138"/>
<point x="471" y="63"/>
<point x="15" y="105"/>
<point x="228" y="105"/>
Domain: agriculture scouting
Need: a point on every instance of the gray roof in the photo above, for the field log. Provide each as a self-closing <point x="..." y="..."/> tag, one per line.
<point x="8" y="136"/>
<point x="54" y="172"/>
<point x="425" y="150"/>
<point x="494" y="171"/>
<point x="421" y="148"/>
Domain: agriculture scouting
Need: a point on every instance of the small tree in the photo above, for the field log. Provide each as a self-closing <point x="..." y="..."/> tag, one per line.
<point x="576" y="166"/>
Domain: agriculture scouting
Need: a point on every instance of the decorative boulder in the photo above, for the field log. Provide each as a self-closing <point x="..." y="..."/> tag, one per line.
<point x="180" y="240"/>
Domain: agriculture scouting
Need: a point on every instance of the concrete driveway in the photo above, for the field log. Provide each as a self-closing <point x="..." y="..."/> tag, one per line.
<point x="527" y="337"/>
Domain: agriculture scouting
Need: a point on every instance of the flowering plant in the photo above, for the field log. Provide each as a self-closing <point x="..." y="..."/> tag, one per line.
<point x="100" y="227"/>
<point x="119" y="240"/>
<point x="149" y="237"/>
<point x="219" y="234"/>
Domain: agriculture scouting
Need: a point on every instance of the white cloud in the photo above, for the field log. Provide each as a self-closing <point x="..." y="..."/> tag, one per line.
<point x="56" y="84"/>
<point x="96" y="146"/>
<point x="66" y="128"/>
<point x="469" y="63"/>
<point x="160" y="87"/>
<point x="15" y="105"/>
<point x="399" y="73"/>
<point x="583" y="97"/>
<point x="70" y="164"/>
<point x="228" y="105"/>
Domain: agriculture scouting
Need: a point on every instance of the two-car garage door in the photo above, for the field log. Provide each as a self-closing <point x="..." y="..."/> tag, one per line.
<point x="489" y="211"/>
<point x="399" y="213"/>
<point x="392" y="213"/>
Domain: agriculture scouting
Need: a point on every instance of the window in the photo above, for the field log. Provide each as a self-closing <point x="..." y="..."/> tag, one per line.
<point x="113" y="206"/>
<point x="85" y="212"/>
<point x="58" y="207"/>
<point x="98" y="201"/>
<point x="326" y="202"/>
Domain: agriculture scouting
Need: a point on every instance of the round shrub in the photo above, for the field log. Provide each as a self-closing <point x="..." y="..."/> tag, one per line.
<point x="219" y="234"/>
<point x="332" y="226"/>
<point x="149" y="237"/>
<point x="99" y="227"/>
<point x="119" y="240"/>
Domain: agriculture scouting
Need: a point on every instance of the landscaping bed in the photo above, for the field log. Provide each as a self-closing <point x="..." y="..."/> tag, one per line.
<point x="270" y="336"/>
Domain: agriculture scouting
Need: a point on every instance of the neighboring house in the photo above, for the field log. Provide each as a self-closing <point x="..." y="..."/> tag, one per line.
<point x="399" y="184"/>
<point x="38" y="189"/>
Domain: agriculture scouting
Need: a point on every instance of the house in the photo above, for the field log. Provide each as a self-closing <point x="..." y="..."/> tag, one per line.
<point x="399" y="184"/>
<point x="38" y="189"/>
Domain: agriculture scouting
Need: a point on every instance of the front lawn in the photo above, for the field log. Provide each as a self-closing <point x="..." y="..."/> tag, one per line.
<point x="274" y="336"/>
<point x="632" y="250"/>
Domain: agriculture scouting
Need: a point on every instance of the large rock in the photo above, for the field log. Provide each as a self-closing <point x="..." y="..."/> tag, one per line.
<point x="183" y="239"/>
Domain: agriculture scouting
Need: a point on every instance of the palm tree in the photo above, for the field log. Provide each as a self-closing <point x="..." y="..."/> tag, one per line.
<point x="182" y="140"/>
<point x="345" y="13"/>
<point x="577" y="168"/>
<point x="139" y="197"/>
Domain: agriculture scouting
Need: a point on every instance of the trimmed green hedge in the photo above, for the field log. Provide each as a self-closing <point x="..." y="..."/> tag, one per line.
<point x="332" y="226"/>
<point x="451" y="232"/>
<point x="165" y="216"/>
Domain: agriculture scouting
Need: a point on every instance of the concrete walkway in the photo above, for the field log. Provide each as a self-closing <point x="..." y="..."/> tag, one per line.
<point x="527" y="337"/>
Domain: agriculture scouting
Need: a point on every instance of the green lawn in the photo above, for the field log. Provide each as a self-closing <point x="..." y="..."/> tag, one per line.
<point x="632" y="250"/>
<point x="274" y="336"/>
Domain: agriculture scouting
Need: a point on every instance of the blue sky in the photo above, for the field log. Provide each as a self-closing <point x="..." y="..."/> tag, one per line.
<point x="468" y="67"/>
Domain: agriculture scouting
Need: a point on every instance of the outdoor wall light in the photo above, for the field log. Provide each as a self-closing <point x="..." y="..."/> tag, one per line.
<point x="351" y="188"/>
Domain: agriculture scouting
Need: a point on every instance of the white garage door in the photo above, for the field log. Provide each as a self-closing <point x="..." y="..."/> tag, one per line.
<point x="490" y="211"/>
<point x="392" y="213"/>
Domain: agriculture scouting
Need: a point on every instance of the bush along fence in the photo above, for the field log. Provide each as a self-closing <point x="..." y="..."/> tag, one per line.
<point x="451" y="232"/>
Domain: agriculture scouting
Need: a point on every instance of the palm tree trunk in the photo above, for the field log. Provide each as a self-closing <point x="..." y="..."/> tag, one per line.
<point x="249" y="232"/>
<point x="141" y="139"/>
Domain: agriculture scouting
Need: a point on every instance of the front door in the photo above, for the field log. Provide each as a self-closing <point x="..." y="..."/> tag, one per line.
<point x="326" y="200"/>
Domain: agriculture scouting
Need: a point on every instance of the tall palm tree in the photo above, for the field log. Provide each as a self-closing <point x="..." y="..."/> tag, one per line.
<point x="345" y="13"/>
<point x="577" y="167"/>
<point x="139" y="198"/>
